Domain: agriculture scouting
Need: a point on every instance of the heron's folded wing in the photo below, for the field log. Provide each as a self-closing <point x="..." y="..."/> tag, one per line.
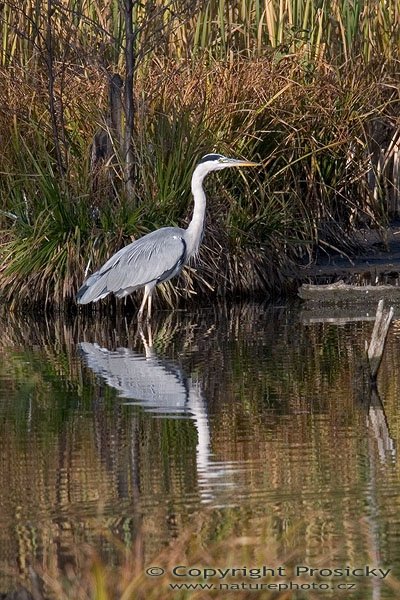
<point x="153" y="258"/>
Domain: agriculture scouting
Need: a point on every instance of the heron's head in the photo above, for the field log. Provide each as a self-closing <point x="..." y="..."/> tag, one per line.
<point x="216" y="162"/>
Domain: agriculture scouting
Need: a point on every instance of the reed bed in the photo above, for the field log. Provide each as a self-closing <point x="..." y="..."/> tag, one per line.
<point x="333" y="29"/>
<point x="308" y="89"/>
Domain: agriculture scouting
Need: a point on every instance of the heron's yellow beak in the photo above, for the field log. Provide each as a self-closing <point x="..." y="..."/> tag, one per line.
<point x="243" y="163"/>
<point x="248" y="163"/>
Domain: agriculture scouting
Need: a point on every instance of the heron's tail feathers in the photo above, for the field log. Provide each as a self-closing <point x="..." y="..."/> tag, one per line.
<point x="93" y="289"/>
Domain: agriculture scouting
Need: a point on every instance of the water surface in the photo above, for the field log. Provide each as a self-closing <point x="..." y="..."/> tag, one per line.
<point x="253" y="425"/>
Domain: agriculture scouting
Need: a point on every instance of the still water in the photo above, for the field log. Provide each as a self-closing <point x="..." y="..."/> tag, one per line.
<point x="223" y="438"/>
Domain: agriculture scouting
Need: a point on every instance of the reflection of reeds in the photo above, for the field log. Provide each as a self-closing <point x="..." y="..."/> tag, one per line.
<point x="272" y="387"/>
<point x="88" y="576"/>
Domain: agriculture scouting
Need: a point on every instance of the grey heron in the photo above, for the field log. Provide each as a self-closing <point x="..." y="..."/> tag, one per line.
<point x="159" y="255"/>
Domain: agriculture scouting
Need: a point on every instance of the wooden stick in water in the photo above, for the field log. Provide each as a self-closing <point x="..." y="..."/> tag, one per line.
<point x="377" y="344"/>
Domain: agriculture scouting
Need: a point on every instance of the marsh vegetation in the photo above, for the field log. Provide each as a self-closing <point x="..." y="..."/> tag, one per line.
<point x="307" y="88"/>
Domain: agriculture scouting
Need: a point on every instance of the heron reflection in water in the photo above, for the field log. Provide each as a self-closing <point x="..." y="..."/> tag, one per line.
<point x="161" y="388"/>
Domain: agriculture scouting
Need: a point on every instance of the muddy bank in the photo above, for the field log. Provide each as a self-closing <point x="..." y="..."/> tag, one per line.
<point x="376" y="261"/>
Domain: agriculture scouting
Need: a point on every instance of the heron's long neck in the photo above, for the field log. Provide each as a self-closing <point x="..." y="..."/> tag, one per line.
<point x="194" y="232"/>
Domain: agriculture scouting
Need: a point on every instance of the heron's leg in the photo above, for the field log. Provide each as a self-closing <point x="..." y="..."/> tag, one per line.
<point x="149" y="306"/>
<point x="145" y="295"/>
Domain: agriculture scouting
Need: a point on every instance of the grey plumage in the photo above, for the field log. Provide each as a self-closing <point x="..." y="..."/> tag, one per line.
<point x="159" y="255"/>
<point x="150" y="260"/>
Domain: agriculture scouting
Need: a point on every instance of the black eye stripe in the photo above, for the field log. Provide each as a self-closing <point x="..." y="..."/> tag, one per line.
<point x="208" y="157"/>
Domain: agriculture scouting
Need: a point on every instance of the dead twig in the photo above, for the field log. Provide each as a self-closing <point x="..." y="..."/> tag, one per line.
<point x="377" y="344"/>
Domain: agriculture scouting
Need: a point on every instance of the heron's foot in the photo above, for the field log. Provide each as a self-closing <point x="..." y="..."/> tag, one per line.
<point x="143" y="317"/>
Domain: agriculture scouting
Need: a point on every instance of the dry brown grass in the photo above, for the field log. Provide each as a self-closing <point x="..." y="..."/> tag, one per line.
<point x="326" y="136"/>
